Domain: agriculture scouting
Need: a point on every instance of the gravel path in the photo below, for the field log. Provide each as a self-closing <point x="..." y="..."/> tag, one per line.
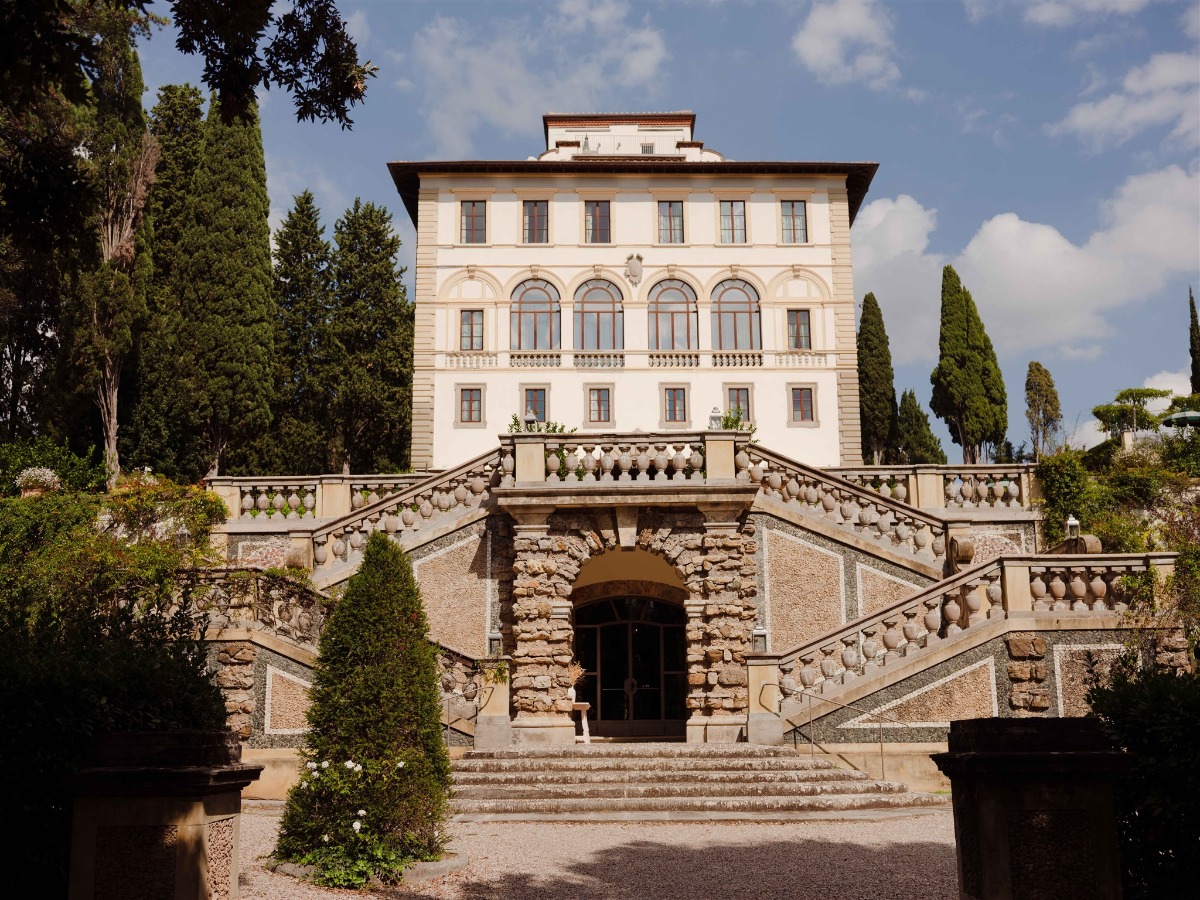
<point x="910" y="858"/>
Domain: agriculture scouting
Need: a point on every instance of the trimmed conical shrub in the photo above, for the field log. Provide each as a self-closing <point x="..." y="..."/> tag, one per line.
<point x="375" y="773"/>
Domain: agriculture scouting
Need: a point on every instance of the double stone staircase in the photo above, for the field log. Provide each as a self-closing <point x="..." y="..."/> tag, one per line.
<point x="648" y="781"/>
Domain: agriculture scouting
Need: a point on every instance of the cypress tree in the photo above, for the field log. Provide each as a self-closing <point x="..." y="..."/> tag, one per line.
<point x="1042" y="409"/>
<point x="877" y="391"/>
<point x="369" y="365"/>
<point x="1194" y="342"/>
<point x="968" y="388"/>
<point x="298" y="443"/>
<point x="916" y="444"/>
<point x="110" y="301"/>
<point x="159" y="436"/>
<point x="225" y="286"/>
<point x="374" y="744"/>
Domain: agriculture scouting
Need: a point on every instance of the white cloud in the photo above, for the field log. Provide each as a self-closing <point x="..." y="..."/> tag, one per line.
<point x="1165" y="91"/>
<point x="587" y="54"/>
<point x="1034" y="287"/>
<point x="1086" y="353"/>
<point x="1190" y="22"/>
<point x="1178" y="383"/>
<point x="357" y="28"/>
<point x="846" y="41"/>
<point x="1055" y="13"/>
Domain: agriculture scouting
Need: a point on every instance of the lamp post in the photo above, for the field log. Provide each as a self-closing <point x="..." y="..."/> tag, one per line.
<point x="714" y="419"/>
<point x="1072" y="526"/>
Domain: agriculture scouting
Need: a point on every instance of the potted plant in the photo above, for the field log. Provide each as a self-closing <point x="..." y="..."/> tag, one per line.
<point x="36" y="480"/>
<point x="575" y="673"/>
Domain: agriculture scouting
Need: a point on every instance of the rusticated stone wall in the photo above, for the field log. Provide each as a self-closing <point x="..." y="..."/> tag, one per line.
<point x="235" y="676"/>
<point x="714" y="561"/>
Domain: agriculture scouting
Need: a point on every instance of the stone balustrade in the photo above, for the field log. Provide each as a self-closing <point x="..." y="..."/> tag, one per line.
<point x="288" y="498"/>
<point x="737" y="359"/>
<point x="540" y="360"/>
<point x="425" y="504"/>
<point x="472" y="360"/>
<point x="624" y="458"/>
<point x="599" y="360"/>
<point x="801" y="359"/>
<point x="674" y="359"/>
<point x="1065" y="585"/>
<point x="871" y="515"/>
<point x="281" y="606"/>
<point x="959" y="488"/>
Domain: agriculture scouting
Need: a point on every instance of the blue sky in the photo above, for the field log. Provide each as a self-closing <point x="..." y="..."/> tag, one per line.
<point x="1048" y="149"/>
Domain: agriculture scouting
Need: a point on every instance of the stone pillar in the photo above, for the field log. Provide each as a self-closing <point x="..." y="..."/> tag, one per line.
<point x="493" y="727"/>
<point x="764" y="725"/>
<point x="158" y="817"/>
<point x="1033" y="808"/>
<point x="544" y="568"/>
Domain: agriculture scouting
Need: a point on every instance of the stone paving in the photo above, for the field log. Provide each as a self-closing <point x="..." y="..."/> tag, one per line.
<point x="898" y="858"/>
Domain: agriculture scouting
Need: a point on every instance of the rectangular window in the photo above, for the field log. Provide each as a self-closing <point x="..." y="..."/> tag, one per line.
<point x="802" y="405"/>
<point x="795" y="222"/>
<point x="799" y="330"/>
<point x="599" y="405"/>
<point x="534" y="221"/>
<point x="647" y="149"/>
<point x="473" y="228"/>
<point x="470" y="329"/>
<point x="670" y="221"/>
<point x="470" y="405"/>
<point x="739" y="402"/>
<point x="596" y="222"/>
<point x="675" y="405"/>
<point x="535" y="402"/>
<point x="733" y="222"/>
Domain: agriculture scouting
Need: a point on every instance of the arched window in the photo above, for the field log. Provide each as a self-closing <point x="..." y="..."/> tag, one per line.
<point x="672" y="316"/>
<point x="735" y="317"/>
<point x="533" y="322"/>
<point x="599" y="320"/>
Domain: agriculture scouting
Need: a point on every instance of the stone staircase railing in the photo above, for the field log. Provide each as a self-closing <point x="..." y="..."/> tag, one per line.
<point x="881" y="519"/>
<point x="280" y="606"/>
<point x="1063" y="585"/>
<point x="287" y="498"/>
<point x="958" y="488"/>
<point x="439" y="498"/>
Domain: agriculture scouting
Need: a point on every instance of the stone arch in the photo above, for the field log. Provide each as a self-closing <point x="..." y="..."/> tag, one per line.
<point x="456" y="287"/>
<point x="636" y="571"/>
<point x="797" y="283"/>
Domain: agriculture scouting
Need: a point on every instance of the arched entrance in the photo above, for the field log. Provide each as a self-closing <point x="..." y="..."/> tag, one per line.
<point x="634" y="652"/>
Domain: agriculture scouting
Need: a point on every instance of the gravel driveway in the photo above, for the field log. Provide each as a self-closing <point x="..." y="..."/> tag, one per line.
<point x="905" y="858"/>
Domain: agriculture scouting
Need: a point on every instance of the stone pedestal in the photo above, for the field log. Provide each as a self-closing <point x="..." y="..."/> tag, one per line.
<point x="157" y="817"/>
<point x="1033" y="809"/>
<point x="542" y="730"/>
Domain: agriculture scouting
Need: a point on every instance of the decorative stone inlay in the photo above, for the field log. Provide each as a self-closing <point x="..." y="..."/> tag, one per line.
<point x="287" y="703"/>
<point x="969" y="693"/>
<point x="135" y="862"/>
<point x="220" y="859"/>
<point x="713" y="558"/>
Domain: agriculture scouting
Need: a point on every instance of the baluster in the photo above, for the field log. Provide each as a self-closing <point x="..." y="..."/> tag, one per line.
<point x="849" y="511"/>
<point x="1119" y="592"/>
<point x="310" y="502"/>
<point x="247" y="503"/>
<point x="973" y="598"/>
<point x="742" y="461"/>
<point x="871" y="647"/>
<point x="1079" y="589"/>
<point x="697" y="463"/>
<point x="320" y="550"/>
<point x="951" y="491"/>
<point x="809" y="673"/>
<point x="911" y="630"/>
<point x="933" y="620"/>
<point x="606" y="462"/>
<point x="552" y="463"/>
<point x="660" y="461"/>
<point x="679" y="463"/>
<point x="461" y="493"/>
<point x="340" y="548"/>
<point x="892" y="639"/>
<point x="1058" y="590"/>
<point x="507" y="465"/>
<point x="900" y="490"/>
<point x="589" y="462"/>
<point x="1037" y="590"/>
<point x="1099" y="588"/>
<point x="774" y="481"/>
<point x="995" y="595"/>
<point x="850" y="658"/>
<point x="262" y="501"/>
<point x="829" y="663"/>
<point x="1014" y="490"/>
<point x="952" y="612"/>
<point x="643" y="462"/>
<point x="408" y="516"/>
<point x="625" y="463"/>
<point x="939" y="544"/>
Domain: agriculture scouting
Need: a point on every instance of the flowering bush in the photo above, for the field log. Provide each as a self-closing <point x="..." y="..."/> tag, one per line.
<point x="37" y="477"/>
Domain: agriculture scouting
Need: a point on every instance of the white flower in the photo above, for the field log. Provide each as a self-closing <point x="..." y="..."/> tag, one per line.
<point x="358" y="767"/>
<point x="363" y="813"/>
<point x="325" y="765"/>
<point x="312" y="765"/>
<point x="400" y="765"/>
<point x="325" y="838"/>
<point x="349" y="764"/>
<point x="316" y="774"/>
<point x="357" y="825"/>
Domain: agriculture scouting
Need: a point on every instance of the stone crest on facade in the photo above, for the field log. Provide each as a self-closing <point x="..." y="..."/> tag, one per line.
<point x="633" y="268"/>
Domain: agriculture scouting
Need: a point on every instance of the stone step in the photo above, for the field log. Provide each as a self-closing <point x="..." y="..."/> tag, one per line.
<point x="619" y="764"/>
<point x="692" y="789"/>
<point x="731" y="805"/>
<point x="652" y="776"/>
<point x="658" y="750"/>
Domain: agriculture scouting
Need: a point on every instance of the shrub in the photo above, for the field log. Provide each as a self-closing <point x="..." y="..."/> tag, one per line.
<point x="1154" y="714"/>
<point x="1067" y="489"/>
<point x="78" y="473"/>
<point x="374" y="752"/>
<point x="93" y="640"/>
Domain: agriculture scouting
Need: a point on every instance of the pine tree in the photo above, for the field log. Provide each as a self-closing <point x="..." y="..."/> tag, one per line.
<point x="369" y="366"/>
<point x="299" y="440"/>
<point x="225" y="283"/>
<point x="159" y="432"/>
<point x="1194" y="342"/>
<point x="968" y="388"/>
<point x="375" y="705"/>
<point x="110" y="301"/>
<point x="916" y="444"/>
<point x="877" y="391"/>
<point x="1042" y="409"/>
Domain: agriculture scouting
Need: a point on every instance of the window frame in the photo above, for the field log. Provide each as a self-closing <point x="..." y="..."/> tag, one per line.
<point x="692" y="314"/>
<point x="720" y="308"/>
<point x="746" y="386"/>
<point x="587" y="201"/>
<point x="462" y="222"/>
<point x="540" y="222"/>
<point x="784" y="220"/>
<point x="459" y="421"/>
<point x="793" y="422"/>
<point x="733" y="232"/>
<point x="598" y="424"/>
<point x="666" y="423"/>
<point x="580" y="314"/>
<point x="797" y="344"/>
<point x="536" y="386"/>
<point x="658" y="224"/>
<point x="462" y="333"/>
<point x="516" y="321"/>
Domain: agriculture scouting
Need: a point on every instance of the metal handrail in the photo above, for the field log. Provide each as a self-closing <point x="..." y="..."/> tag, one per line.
<point x="481" y="700"/>
<point x="811" y="743"/>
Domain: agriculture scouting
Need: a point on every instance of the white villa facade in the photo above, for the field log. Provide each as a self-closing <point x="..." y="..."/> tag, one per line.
<point x="628" y="279"/>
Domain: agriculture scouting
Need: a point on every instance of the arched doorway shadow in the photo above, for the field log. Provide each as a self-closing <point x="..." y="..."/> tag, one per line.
<point x="630" y="635"/>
